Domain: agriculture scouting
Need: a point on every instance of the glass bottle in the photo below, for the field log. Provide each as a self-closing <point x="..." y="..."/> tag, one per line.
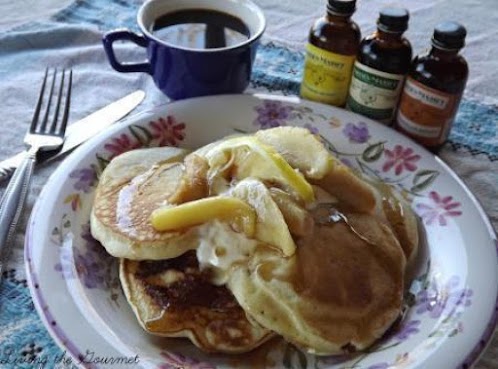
<point x="330" y="53"/>
<point x="381" y="66"/>
<point x="434" y="88"/>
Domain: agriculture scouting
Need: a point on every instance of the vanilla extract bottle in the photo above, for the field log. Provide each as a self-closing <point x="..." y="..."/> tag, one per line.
<point x="382" y="63"/>
<point x="434" y="88"/>
<point x="330" y="54"/>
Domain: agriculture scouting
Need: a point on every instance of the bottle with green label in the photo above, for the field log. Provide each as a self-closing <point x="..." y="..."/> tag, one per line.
<point x="330" y="54"/>
<point x="381" y="66"/>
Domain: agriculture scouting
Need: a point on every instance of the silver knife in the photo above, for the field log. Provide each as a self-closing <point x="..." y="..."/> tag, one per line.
<point x="82" y="130"/>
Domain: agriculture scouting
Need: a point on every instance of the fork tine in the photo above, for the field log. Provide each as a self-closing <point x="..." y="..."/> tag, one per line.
<point x="53" y="125"/>
<point x="41" y="128"/>
<point x="36" y="114"/>
<point x="65" y="117"/>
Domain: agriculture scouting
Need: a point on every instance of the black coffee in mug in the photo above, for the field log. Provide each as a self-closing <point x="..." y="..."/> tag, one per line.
<point x="200" y="29"/>
<point x="195" y="47"/>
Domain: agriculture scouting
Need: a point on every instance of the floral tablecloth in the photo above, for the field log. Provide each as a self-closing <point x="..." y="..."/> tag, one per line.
<point x="72" y="37"/>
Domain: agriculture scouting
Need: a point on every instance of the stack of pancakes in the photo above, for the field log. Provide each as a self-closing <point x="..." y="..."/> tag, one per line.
<point x="318" y="253"/>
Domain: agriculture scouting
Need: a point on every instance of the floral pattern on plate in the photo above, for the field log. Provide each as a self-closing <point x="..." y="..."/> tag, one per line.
<point x="274" y="113"/>
<point x="179" y="361"/>
<point x="88" y="262"/>
<point x="400" y="158"/>
<point x="439" y="209"/>
<point x="356" y="133"/>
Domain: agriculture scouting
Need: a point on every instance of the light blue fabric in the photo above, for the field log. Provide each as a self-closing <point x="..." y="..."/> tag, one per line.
<point x="72" y="38"/>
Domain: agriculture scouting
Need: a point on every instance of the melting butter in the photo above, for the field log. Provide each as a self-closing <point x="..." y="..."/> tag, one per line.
<point x="221" y="248"/>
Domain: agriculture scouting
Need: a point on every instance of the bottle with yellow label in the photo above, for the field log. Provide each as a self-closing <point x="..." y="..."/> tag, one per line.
<point x="330" y="54"/>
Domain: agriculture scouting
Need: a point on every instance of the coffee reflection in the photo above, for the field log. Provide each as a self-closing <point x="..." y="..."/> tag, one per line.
<point x="200" y="29"/>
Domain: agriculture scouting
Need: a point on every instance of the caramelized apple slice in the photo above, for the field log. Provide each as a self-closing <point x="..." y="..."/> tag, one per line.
<point x="271" y="227"/>
<point x="304" y="151"/>
<point x="299" y="221"/>
<point x="244" y="157"/>
<point x="236" y="211"/>
<point x="300" y="148"/>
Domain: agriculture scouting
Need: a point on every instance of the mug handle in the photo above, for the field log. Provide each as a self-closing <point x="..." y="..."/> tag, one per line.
<point x="124" y="34"/>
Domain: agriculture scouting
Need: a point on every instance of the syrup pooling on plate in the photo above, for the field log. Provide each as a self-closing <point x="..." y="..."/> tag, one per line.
<point x="321" y="266"/>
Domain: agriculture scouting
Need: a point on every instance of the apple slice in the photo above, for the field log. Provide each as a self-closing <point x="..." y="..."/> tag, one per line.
<point x="189" y="214"/>
<point x="304" y="151"/>
<point x="245" y="156"/>
<point x="271" y="227"/>
<point x="300" y="148"/>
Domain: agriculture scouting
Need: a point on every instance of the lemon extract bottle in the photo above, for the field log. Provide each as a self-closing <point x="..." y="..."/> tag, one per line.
<point x="383" y="62"/>
<point x="330" y="54"/>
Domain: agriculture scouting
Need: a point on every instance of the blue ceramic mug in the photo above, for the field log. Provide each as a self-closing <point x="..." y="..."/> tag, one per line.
<point x="181" y="71"/>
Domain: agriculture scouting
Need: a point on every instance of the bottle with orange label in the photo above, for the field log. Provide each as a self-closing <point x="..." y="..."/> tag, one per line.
<point x="330" y="54"/>
<point x="434" y="88"/>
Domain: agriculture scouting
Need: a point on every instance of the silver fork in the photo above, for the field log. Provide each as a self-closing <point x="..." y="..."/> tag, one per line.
<point x="45" y="133"/>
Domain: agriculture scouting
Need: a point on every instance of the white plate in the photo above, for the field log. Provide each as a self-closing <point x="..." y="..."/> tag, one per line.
<point x="74" y="283"/>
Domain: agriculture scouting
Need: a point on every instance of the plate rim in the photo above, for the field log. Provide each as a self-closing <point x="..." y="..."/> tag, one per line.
<point x="471" y="358"/>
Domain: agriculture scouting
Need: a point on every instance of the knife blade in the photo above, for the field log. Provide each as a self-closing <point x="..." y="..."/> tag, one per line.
<point x="81" y="130"/>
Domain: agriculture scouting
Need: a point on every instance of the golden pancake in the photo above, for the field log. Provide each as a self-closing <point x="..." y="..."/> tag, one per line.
<point x="340" y="292"/>
<point x="173" y="298"/>
<point x="132" y="186"/>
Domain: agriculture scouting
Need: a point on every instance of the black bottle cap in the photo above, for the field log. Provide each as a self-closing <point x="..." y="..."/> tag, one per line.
<point x="341" y="7"/>
<point x="449" y="36"/>
<point x="394" y="20"/>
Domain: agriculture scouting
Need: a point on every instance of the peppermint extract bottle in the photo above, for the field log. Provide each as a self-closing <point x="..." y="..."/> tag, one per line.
<point x="381" y="66"/>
